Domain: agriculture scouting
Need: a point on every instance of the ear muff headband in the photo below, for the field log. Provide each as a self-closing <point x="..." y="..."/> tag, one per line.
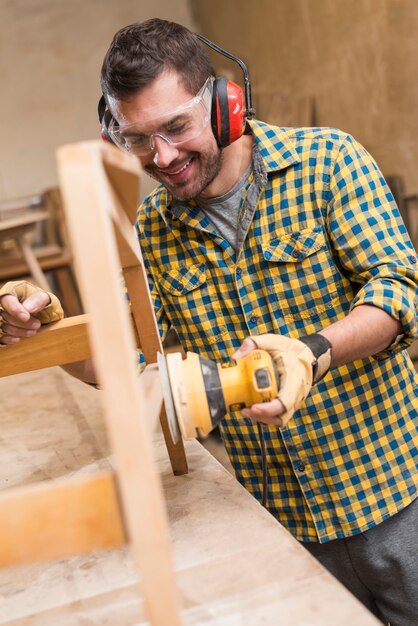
<point x="230" y="108"/>
<point x="249" y="109"/>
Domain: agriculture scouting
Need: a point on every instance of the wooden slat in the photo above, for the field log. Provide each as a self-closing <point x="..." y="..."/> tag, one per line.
<point x="88" y="198"/>
<point x="59" y="519"/>
<point x="123" y="174"/>
<point x="59" y="343"/>
<point x="142" y="309"/>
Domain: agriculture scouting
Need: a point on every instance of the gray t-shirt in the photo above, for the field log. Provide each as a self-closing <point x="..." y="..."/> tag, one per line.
<point x="232" y="212"/>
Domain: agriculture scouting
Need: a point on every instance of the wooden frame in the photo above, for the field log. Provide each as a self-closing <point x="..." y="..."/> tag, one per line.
<point x="271" y="575"/>
<point x="99" y="186"/>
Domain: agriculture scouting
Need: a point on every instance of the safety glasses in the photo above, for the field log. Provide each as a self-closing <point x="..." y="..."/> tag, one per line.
<point x="176" y="127"/>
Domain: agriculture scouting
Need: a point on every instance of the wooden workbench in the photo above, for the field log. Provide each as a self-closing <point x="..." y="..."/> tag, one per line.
<point x="236" y="566"/>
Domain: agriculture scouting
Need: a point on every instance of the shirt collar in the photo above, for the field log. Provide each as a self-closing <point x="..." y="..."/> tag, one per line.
<point x="276" y="149"/>
<point x="276" y="146"/>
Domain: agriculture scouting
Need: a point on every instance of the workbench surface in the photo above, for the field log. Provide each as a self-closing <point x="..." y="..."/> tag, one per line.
<point x="235" y="565"/>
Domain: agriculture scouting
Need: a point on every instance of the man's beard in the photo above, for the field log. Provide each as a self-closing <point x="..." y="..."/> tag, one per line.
<point x="210" y="165"/>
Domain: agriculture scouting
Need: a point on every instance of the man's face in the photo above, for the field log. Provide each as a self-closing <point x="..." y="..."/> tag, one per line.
<point x="185" y="168"/>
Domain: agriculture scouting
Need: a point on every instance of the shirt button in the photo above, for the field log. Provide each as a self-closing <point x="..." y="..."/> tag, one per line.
<point x="239" y="271"/>
<point x="413" y="259"/>
<point x="296" y="254"/>
<point x="300" y="466"/>
<point x="254" y="319"/>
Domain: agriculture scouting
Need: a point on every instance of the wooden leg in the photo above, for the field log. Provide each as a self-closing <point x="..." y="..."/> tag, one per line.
<point x="127" y="410"/>
<point x="175" y="451"/>
<point x="143" y="317"/>
<point x="68" y="290"/>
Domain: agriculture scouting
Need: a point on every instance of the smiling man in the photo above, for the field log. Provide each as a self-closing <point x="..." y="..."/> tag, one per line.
<point x="287" y="239"/>
<point x="170" y="132"/>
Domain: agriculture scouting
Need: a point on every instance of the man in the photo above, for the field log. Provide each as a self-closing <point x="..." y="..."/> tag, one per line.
<point x="289" y="236"/>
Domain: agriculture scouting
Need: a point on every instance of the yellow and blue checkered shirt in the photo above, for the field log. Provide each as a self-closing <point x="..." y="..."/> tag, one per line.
<point x="325" y="236"/>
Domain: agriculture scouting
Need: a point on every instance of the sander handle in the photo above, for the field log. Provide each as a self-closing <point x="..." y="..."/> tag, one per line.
<point x="253" y="379"/>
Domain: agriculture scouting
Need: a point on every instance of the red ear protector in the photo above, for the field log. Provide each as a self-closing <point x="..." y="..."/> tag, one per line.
<point x="228" y="111"/>
<point x="230" y="107"/>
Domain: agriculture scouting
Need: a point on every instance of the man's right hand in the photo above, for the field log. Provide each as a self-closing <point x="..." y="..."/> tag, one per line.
<point x="23" y="308"/>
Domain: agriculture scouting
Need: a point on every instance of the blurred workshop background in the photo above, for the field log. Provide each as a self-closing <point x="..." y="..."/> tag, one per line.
<point x="352" y="65"/>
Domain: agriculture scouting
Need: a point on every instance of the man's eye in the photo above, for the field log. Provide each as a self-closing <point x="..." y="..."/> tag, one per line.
<point x="133" y="141"/>
<point x="178" y="127"/>
<point x="136" y="140"/>
<point x="176" y="130"/>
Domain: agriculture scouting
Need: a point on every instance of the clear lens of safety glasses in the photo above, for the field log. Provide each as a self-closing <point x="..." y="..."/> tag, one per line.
<point x="176" y="127"/>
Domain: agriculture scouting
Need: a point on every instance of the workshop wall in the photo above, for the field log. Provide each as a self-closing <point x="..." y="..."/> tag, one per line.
<point x="358" y="60"/>
<point x="51" y="53"/>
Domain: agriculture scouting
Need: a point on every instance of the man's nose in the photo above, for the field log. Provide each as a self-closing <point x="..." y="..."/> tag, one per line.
<point x="164" y="151"/>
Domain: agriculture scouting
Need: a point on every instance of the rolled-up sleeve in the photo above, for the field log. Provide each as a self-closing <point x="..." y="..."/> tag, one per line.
<point x="371" y="241"/>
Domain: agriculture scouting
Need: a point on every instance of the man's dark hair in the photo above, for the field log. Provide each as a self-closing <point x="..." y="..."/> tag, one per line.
<point x="142" y="51"/>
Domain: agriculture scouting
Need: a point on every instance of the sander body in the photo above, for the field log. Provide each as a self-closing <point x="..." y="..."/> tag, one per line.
<point x="198" y="392"/>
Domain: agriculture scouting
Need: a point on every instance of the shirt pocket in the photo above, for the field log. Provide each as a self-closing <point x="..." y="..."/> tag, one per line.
<point x="186" y="299"/>
<point x="179" y="281"/>
<point x="302" y="278"/>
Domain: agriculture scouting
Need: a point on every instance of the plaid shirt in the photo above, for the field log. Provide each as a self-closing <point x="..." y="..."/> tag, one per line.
<point x="324" y="236"/>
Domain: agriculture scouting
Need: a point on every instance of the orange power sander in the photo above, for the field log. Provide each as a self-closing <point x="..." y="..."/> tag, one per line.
<point x="198" y="392"/>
